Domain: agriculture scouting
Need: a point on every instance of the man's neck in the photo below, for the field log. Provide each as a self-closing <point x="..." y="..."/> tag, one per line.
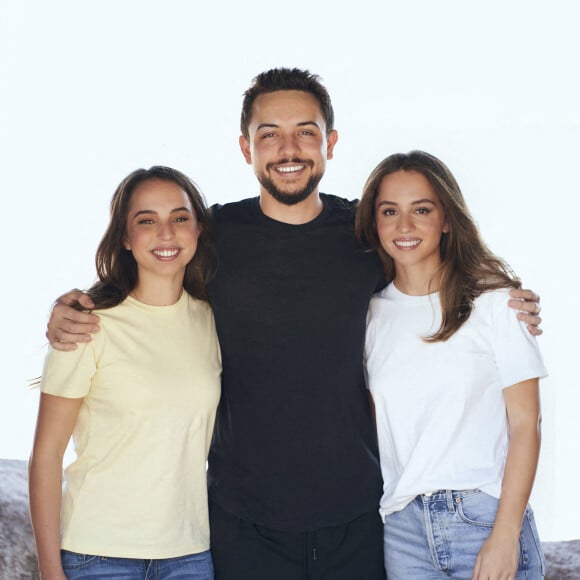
<point x="299" y="213"/>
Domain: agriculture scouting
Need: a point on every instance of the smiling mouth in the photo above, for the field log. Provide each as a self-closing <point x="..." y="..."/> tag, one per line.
<point x="406" y="244"/>
<point x="288" y="167"/>
<point x="291" y="169"/>
<point x="168" y="253"/>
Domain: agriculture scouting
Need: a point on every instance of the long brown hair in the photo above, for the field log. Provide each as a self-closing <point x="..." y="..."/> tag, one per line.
<point x="469" y="268"/>
<point x="116" y="266"/>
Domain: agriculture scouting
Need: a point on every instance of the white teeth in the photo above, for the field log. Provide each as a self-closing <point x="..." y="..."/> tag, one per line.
<point x="165" y="253"/>
<point x="290" y="169"/>
<point x="407" y="243"/>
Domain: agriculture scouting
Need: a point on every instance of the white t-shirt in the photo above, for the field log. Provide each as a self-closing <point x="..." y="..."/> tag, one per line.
<point x="441" y="416"/>
<point x="150" y="383"/>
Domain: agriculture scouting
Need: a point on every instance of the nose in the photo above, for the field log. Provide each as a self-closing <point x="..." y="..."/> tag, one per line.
<point x="165" y="231"/>
<point x="405" y="223"/>
<point x="289" y="146"/>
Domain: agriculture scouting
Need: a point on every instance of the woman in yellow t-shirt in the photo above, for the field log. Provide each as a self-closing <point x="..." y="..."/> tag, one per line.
<point x="139" y="400"/>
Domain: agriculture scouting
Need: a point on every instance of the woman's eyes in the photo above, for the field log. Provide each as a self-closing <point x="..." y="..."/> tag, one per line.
<point x="151" y="221"/>
<point x="418" y="210"/>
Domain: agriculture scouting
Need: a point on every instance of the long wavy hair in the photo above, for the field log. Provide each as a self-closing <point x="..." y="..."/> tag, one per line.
<point x="116" y="267"/>
<point x="468" y="268"/>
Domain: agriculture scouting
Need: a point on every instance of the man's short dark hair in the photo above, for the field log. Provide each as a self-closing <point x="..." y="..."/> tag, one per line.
<point x="286" y="79"/>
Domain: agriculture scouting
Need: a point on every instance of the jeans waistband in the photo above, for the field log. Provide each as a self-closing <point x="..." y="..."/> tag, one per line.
<point x="449" y="496"/>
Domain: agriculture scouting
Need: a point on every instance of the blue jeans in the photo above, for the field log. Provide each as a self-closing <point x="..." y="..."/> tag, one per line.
<point x="439" y="536"/>
<point x="84" y="566"/>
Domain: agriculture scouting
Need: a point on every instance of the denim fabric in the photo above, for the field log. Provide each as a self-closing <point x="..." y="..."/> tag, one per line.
<point x="439" y="536"/>
<point x="87" y="567"/>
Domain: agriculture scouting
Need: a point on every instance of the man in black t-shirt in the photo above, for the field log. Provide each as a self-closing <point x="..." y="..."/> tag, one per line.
<point x="294" y="478"/>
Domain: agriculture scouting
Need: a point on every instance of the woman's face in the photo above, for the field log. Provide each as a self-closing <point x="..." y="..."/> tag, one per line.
<point x="162" y="229"/>
<point x="410" y="220"/>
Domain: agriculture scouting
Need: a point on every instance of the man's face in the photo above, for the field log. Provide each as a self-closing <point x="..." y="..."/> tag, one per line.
<point x="288" y="145"/>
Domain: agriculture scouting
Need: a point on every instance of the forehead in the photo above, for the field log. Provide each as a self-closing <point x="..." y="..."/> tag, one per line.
<point x="159" y="192"/>
<point x="283" y="107"/>
<point x="407" y="183"/>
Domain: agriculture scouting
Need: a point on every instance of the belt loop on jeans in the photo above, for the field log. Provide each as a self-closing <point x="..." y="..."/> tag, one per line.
<point x="450" y="502"/>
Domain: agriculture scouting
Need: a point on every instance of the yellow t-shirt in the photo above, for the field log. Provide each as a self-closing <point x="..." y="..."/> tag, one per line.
<point x="150" y="383"/>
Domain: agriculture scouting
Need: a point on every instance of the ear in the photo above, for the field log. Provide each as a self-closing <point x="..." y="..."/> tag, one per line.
<point x="445" y="229"/>
<point x="246" y="149"/>
<point x="126" y="243"/>
<point x="331" y="140"/>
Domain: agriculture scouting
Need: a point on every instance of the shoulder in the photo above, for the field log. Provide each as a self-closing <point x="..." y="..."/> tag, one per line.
<point x="491" y="310"/>
<point x="516" y="351"/>
<point x="382" y="302"/>
<point x="493" y="301"/>
<point x="237" y="211"/>
<point x="109" y="315"/>
<point x="129" y="312"/>
<point x="383" y="295"/>
<point x="200" y="306"/>
<point x="340" y="204"/>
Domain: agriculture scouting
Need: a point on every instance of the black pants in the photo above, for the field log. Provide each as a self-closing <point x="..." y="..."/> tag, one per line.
<point x="242" y="550"/>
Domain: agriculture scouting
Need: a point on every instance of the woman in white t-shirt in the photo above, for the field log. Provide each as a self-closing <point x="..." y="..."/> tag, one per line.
<point x="139" y="400"/>
<point x="454" y="379"/>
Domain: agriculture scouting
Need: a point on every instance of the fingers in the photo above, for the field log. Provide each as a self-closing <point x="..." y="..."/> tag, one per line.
<point x="477" y="568"/>
<point x="68" y="326"/>
<point x="73" y="321"/>
<point x="533" y="322"/>
<point x="60" y="340"/>
<point x="524" y="294"/>
<point x="74" y="296"/>
<point x="63" y="346"/>
<point x="527" y="303"/>
<point x="532" y="308"/>
<point x="85" y="301"/>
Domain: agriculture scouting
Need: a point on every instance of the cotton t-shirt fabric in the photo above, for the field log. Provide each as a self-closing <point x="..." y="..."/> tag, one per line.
<point x="150" y="382"/>
<point x="441" y="416"/>
<point x="294" y="447"/>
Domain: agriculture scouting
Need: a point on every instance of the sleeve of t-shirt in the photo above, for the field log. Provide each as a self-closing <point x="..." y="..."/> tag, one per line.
<point x="69" y="374"/>
<point x="517" y="352"/>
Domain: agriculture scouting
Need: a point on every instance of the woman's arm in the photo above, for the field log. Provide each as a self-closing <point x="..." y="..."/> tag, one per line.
<point x="56" y="420"/>
<point x="499" y="555"/>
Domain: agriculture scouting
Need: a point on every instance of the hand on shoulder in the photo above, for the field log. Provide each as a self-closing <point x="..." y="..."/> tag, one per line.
<point x="527" y="302"/>
<point x="67" y="325"/>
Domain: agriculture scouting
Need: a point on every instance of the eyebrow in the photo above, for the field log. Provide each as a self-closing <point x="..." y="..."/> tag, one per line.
<point x="417" y="202"/>
<point x="150" y="211"/>
<point x="275" y="126"/>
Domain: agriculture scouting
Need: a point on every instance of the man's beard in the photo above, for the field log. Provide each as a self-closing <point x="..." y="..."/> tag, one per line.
<point x="294" y="197"/>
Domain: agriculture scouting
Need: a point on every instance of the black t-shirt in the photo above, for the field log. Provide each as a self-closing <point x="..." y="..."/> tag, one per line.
<point x="294" y="445"/>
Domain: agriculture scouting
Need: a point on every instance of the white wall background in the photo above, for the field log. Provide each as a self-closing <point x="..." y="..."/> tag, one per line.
<point x="90" y="91"/>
